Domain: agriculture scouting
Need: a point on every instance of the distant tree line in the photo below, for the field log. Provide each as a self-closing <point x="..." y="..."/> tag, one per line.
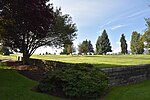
<point x="138" y="45"/>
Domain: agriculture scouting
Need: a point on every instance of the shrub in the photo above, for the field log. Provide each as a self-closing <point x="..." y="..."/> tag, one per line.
<point x="5" y="51"/>
<point x="79" y="81"/>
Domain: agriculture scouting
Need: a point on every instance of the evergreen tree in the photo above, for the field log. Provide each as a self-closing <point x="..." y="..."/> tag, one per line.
<point x="146" y="35"/>
<point x="85" y="47"/>
<point x="68" y="49"/>
<point x="134" y="42"/>
<point x="123" y="45"/>
<point x="140" y="46"/>
<point x="90" y="47"/>
<point x="103" y="44"/>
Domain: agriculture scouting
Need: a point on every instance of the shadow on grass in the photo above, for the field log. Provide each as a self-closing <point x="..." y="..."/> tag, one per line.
<point x="108" y="65"/>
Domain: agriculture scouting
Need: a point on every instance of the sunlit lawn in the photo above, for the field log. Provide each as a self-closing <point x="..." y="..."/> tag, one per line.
<point x="12" y="56"/>
<point x="96" y="60"/>
<point x="99" y="60"/>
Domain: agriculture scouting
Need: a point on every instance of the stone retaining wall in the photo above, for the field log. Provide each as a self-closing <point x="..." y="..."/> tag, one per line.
<point x="127" y="75"/>
<point x="48" y="64"/>
<point x="117" y="75"/>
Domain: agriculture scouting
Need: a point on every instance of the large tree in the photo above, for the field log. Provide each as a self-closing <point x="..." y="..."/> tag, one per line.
<point x="33" y="24"/>
<point x="123" y="44"/>
<point x="103" y="44"/>
<point x="137" y="46"/>
<point x="85" y="47"/>
<point x="68" y="49"/>
<point x="140" y="46"/>
<point x="146" y="35"/>
<point x="90" y="47"/>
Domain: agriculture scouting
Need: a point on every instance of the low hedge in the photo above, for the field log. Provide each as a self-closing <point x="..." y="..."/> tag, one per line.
<point x="80" y="81"/>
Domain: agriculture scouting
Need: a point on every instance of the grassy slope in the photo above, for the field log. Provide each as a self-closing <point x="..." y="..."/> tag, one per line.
<point x="14" y="86"/>
<point x="100" y="60"/>
<point x="140" y="91"/>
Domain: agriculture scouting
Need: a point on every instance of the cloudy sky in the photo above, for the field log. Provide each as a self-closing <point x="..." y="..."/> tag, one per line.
<point x="116" y="16"/>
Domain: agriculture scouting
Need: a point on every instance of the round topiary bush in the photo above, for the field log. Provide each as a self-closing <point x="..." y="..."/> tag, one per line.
<point x="81" y="81"/>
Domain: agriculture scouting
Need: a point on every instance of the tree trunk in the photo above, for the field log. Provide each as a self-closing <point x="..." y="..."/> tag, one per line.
<point x="25" y="57"/>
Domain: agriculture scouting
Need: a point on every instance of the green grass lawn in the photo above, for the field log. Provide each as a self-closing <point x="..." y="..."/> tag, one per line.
<point x="96" y="60"/>
<point x="99" y="60"/>
<point x="12" y="56"/>
<point x="140" y="91"/>
<point x="14" y="86"/>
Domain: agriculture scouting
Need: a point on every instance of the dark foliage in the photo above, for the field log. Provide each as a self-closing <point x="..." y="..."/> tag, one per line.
<point x="5" y="51"/>
<point x="90" y="47"/>
<point x="81" y="81"/>
<point x="28" y="25"/>
<point x="123" y="45"/>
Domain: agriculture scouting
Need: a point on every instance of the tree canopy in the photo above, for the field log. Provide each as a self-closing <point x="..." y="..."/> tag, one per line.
<point x="34" y="24"/>
<point x="103" y="44"/>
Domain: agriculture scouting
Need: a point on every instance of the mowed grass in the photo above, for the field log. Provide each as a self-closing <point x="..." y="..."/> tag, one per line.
<point x="12" y="56"/>
<point x="99" y="60"/>
<point x="14" y="86"/>
<point x="140" y="91"/>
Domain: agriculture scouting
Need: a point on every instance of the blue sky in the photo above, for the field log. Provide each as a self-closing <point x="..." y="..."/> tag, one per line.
<point x="116" y="16"/>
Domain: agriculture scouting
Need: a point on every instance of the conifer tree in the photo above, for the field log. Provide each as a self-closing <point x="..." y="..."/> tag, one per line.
<point x="134" y="42"/>
<point x="103" y="44"/>
<point x="123" y="45"/>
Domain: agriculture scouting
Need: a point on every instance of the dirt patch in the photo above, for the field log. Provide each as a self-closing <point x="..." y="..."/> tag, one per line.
<point x="36" y="76"/>
<point x="31" y="72"/>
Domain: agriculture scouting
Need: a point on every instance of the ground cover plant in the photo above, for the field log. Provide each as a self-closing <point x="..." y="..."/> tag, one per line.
<point x="99" y="60"/>
<point x="14" y="86"/>
<point x="81" y="81"/>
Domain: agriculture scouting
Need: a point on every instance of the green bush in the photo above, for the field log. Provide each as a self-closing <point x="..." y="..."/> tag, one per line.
<point x="5" y="51"/>
<point x="80" y="81"/>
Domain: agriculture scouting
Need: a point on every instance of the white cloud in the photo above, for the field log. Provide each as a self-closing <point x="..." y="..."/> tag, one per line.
<point x="102" y="26"/>
<point x="138" y="13"/>
<point x="85" y="11"/>
<point x="118" y="26"/>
